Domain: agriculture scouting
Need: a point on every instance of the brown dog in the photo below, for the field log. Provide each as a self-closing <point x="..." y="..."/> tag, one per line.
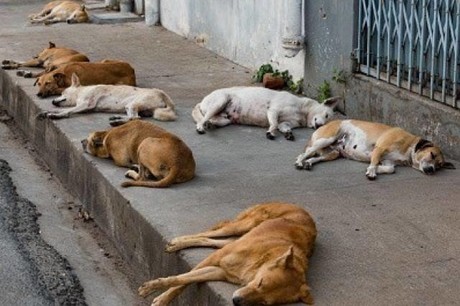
<point x="163" y="158"/>
<point x="269" y="260"/>
<point x="105" y="72"/>
<point x="60" y="11"/>
<point x="49" y="58"/>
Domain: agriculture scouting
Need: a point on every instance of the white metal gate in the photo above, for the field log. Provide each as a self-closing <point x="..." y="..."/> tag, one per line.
<point x="413" y="44"/>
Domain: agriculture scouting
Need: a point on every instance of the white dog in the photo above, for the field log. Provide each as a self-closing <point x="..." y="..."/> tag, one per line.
<point x="114" y="99"/>
<point x="261" y="107"/>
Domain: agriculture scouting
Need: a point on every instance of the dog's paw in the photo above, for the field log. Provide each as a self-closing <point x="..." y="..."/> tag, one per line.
<point x="117" y="122"/>
<point x="28" y="74"/>
<point x="131" y="174"/>
<point x="200" y="131"/>
<point x="145" y="290"/>
<point x="371" y="177"/>
<point x="24" y="73"/>
<point x="111" y="118"/>
<point x="6" y="62"/>
<point x="270" y="136"/>
<point x="371" y="173"/>
<point x="289" y="136"/>
<point x="171" y="247"/>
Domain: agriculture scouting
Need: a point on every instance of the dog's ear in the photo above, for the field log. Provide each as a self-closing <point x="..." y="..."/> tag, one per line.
<point x="423" y="143"/>
<point x="60" y="79"/>
<point x="287" y="259"/>
<point x="305" y="295"/>
<point x="332" y="102"/>
<point x="448" y="165"/>
<point x="75" y="80"/>
<point x="52" y="45"/>
<point x="83" y="7"/>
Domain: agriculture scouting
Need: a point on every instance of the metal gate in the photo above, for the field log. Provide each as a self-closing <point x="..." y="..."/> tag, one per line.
<point x="412" y="44"/>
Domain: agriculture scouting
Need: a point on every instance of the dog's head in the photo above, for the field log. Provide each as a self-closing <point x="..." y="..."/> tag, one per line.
<point x="322" y="113"/>
<point x="428" y="158"/>
<point x="70" y="94"/>
<point x="44" y="53"/>
<point x="94" y="144"/>
<point x="276" y="282"/>
<point x="50" y="84"/>
<point x="80" y="15"/>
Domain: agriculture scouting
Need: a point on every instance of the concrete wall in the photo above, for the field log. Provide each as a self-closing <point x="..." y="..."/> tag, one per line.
<point x="329" y="27"/>
<point x="248" y="32"/>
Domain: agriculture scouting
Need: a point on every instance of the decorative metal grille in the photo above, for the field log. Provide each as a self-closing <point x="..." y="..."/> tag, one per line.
<point x="412" y="44"/>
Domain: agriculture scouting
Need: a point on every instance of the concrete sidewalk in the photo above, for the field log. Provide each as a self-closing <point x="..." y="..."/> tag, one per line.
<point x="393" y="241"/>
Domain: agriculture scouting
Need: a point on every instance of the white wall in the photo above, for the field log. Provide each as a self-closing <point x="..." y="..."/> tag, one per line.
<point x="248" y="32"/>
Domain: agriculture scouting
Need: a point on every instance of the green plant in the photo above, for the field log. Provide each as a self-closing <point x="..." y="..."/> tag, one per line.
<point x="339" y="76"/>
<point x="259" y="75"/>
<point x="296" y="87"/>
<point x="324" y="91"/>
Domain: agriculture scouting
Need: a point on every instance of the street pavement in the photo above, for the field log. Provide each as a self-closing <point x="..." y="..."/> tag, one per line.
<point x="393" y="241"/>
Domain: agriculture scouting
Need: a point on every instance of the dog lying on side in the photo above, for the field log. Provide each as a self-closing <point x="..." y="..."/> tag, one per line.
<point x="49" y="58"/>
<point x="261" y="107"/>
<point x="114" y="99"/>
<point x="265" y="250"/>
<point x="381" y="145"/>
<point x="106" y="72"/>
<point x="163" y="158"/>
<point x="61" y="11"/>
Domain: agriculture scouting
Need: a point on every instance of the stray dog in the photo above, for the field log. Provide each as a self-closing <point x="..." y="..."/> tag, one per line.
<point x="61" y="11"/>
<point x="114" y="99"/>
<point x="381" y="145"/>
<point x="163" y="158"/>
<point x="261" y="107"/>
<point x="49" y="58"/>
<point x="269" y="260"/>
<point x="106" y="72"/>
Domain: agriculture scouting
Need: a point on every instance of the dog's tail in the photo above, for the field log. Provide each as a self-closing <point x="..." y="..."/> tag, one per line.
<point x="167" y="113"/>
<point x="163" y="183"/>
<point x="197" y="114"/>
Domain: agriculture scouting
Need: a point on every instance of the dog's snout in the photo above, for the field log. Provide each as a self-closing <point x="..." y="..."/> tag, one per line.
<point x="84" y="144"/>
<point x="428" y="170"/>
<point x="40" y="94"/>
<point x="68" y="21"/>
<point x="55" y="102"/>
<point x="237" y="301"/>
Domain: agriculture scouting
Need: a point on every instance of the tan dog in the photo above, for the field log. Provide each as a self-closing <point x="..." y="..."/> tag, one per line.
<point x="163" y="158"/>
<point x="105" y="72"/>
<point x="61" y="11"/>
<point x="114" y="99"/>
<point x="381" y="145"/>
<point x="49" y="58"/>
<point x="269" y="260"/>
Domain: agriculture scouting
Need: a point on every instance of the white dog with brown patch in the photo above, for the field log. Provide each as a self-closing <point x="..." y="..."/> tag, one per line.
<point x="261" y="107"/>
<point x="113" y="99"/>
<point x="381" y="145"/>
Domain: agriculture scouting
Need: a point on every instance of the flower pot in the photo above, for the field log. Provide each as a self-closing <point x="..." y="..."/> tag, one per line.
<point x="273" y="82"/>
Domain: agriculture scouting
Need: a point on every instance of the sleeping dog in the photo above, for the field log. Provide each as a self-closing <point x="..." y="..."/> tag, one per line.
<point x="265" y="250"/>
<point x="113" y="99"/>
<point x="381" y="145"/>
<point x="261" y="107"/>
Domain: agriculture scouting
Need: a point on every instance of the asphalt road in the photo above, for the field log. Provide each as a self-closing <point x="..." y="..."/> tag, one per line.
<point x="33" y="272"/>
